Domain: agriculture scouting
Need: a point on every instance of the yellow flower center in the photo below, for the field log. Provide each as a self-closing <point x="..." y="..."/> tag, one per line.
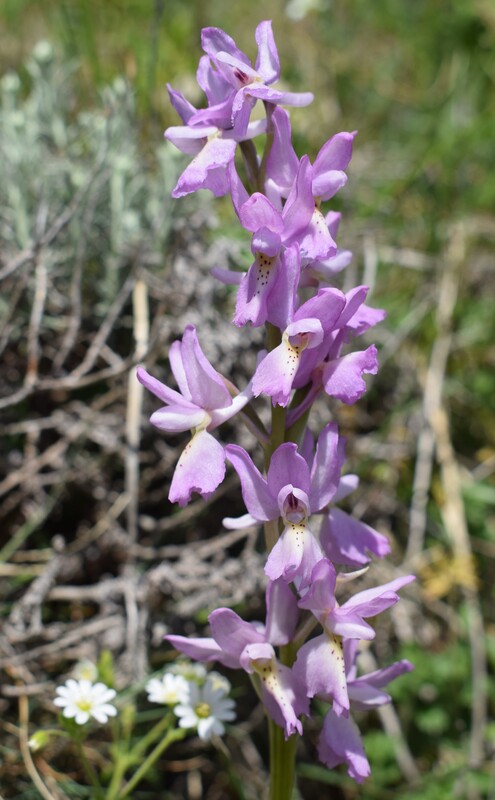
<point x="202" y="710"/>
<point x="84" y="705"/>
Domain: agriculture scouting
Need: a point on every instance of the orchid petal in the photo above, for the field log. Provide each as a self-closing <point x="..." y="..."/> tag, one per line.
<point x="296" y="99"/>
<point x="176" y="419"/>
<point x="326" y="306"/>
<point x="353" y="301"/>
<point x="294" y="556"/>
<point x="298" y="210"/>
<point x="239" y="523"/>
<point x="275" y="374"/>
<point x="282" y="694"/>
<point x="202" y="649"/>
<point x="333" y="158"/>
<point x="218" y="114"/>
<point x="255" y="289"/>
<point x="266" y="241"/>
<point x="282" y="162"/>
<point x="320" y="596"/>
<point x="215" y="40"/>
<point x="349" y="624"/>
<point x="162" y="391"/>
<point x="366" y="317"/>
<point x="340" y="743"/>
<point x="258" y="212"/>
<point x="238" y="401"/>
<point x="267" y="62"/>
<point x="281" y="613"/>
<point x="283" y="291"/>
<point x="346" y="540"/>
<point x="325" y="472"/>
<point x="201" y="468"/>
<point x="287" y="467"/>
<point x="232" y="633"/>
<point x="320" y="666"/>
<point x="183" y="107"/>
<point x="317" y="242"/>
<point x="326" y="269"/>
<point x="238" y="72"/>
<point x="258" y="500"/>
<point x="208" y="169"/>
<point x="382" y="677"/>
<point x="342" y="377"/>
<point x="178" y="371"/>
<point x="190" y="140"/>
<point x="206" y="385"/>
<point x="372" y="601"/>
<point x="212" y="82"/>
<point x="229" y="277"/>
<point x="347" y="484"/>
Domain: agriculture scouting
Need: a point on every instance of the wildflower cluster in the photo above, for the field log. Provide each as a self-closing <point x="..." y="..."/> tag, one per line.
<point x="193" y="700"/>
<point x="310" y="329"/>
<point x="199" y="699"/>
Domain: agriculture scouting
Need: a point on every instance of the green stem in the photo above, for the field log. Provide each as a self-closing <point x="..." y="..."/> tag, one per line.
<point x="254" y="424"/>
<point x="296" y="431"/>
<point x="303" y="632"/>
<point x="125" y="760"/>
<point x="121" y="764"/>
<point x="140" y="748"/>
<point x="278" y="426"/>
<point x="272" y="533"/>
<point x="282" y="763"/>
<point x="89" y="771"/>
<point x="250" y="157"/>
<point x="269" y="109"/>
<point x="172" y="736"/>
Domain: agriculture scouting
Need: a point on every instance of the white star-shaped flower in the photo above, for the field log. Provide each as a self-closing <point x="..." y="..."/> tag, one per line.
<point x="168" y="690"/>
<point x="206" y="709"/>
<point x="82" y="699"/>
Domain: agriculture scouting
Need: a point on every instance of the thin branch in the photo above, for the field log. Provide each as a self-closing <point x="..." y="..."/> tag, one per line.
<point x="26" y="754"/>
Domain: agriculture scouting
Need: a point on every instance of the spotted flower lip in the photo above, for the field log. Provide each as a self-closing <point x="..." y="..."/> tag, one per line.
<point x="293" y="492"/>
<point x="340" y="740"/>
<point x="320" y="662"/>
<point x="309" y="326"/>
<point x="82" y="700"/>
<point x="267" y="292"/>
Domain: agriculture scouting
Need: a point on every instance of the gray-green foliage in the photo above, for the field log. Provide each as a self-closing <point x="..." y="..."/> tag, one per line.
<point x="57" y="161"/>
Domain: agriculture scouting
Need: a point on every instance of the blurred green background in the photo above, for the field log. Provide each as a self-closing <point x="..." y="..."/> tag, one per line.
<point x="417" y="79"/>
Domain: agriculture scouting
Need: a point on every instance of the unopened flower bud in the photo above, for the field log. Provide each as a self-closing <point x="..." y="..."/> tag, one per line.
<point x="38" y="740"/>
